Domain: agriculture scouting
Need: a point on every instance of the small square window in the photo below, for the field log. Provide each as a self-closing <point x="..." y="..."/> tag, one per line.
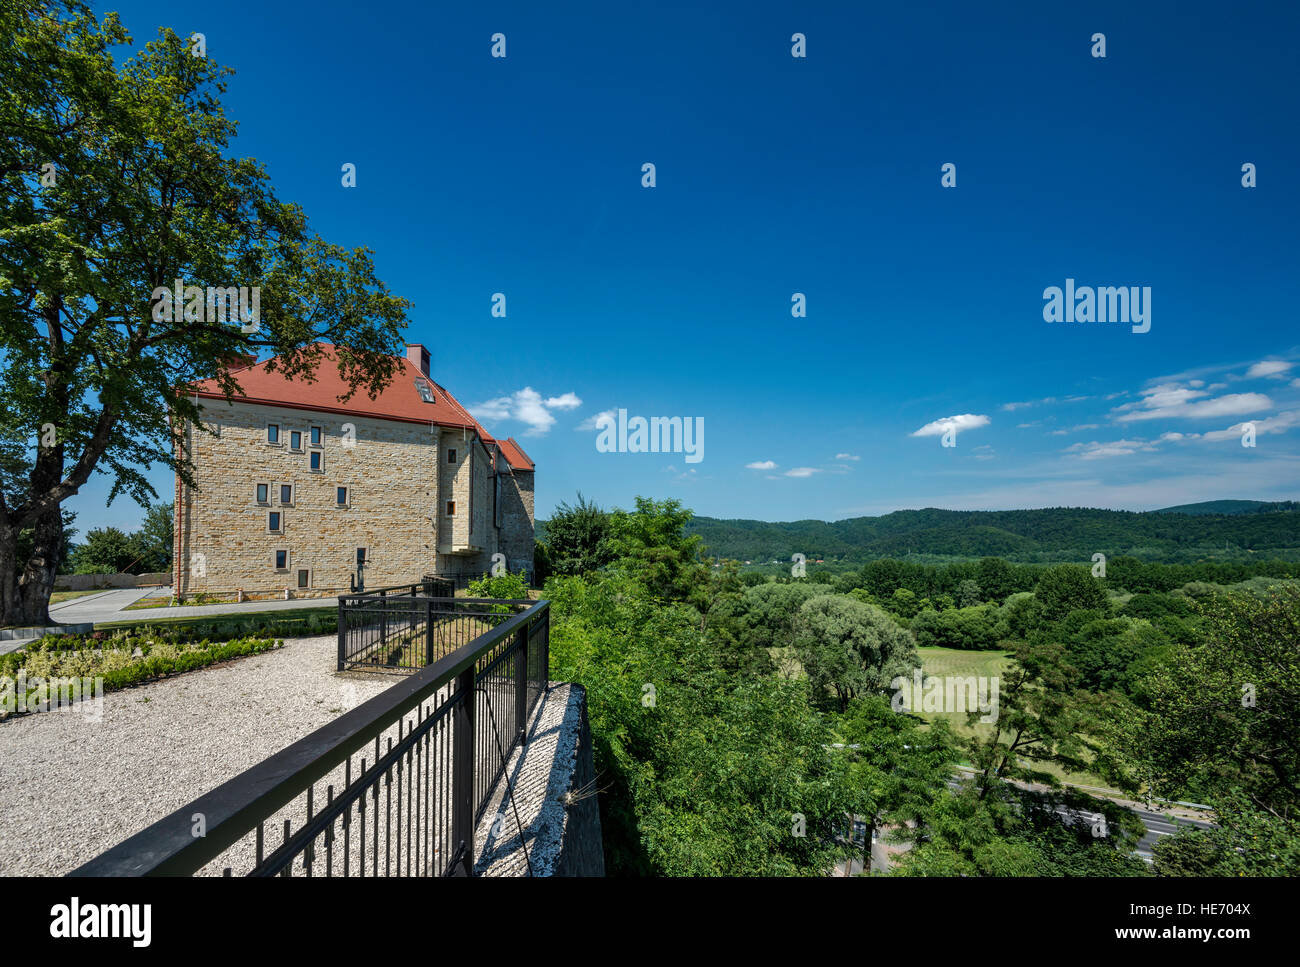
<point x="451" y="508"/>
<point x="286" y="494"/>
<point x="451" y="456"/>
<point x="341" y="496"/>
<point x="425" y="390"/>
<point x="304" y="577"/>
<point x="263" y="493"/>
<point x="273" y="433"/>
<point x="315" y="435"/>
<point x="282" y="560"/>
<point x="295" y="439"/>
<point x="273" y="522"/>
<point x="317" y="461"/>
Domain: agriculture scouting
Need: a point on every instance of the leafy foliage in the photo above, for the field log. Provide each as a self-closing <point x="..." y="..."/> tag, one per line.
<point x="142" y="194"/>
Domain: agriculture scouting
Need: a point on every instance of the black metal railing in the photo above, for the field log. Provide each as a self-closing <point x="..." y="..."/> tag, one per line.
<point x="402" y="631"/>
<point x="394" y="787"/>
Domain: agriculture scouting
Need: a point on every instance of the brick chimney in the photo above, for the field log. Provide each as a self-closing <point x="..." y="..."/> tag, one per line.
<point x="418" y="355"/>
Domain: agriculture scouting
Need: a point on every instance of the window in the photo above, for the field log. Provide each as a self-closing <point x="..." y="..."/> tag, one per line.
<point x="304" y="577"/>
<point x="426" y="391"/>
<point x="317" y="461"/>
<point x="451" y="508"/>
<point x="363" y="555"/>
<point x="273" y="433"/>
<point x="282" y="560"/>
<point x="295" y="439"/>
<point x="273" y="522"/>
<point x="263" y="493"/>
<point x="451" y="456"/>
<point x="286" y="494"/>
<point x="341" y="496"/>
<point x="315" y="436"/>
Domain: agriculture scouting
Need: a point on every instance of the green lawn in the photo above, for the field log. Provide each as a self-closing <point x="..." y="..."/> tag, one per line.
<point x="283" y="622"/>
<point x="957" y="662"/>
<point x="58" y="596"/>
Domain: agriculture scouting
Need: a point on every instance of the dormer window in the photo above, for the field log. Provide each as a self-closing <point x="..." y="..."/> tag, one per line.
<point x="426" y="391"/>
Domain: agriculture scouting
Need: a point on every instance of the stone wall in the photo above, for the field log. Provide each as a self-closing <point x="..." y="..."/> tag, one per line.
<point x="553" y="787"/>
<point x="85" y="582"/>
<point x="388" y="467"/>
<point x="516" y="541"/>
<point x="399" y="480"/>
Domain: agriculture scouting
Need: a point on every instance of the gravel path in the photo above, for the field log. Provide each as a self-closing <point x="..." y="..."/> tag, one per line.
<point x="70" y="788"/>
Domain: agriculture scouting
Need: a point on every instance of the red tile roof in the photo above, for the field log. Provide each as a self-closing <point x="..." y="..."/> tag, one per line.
<point x="399" y="400"/>
<point x="515" y="455"/>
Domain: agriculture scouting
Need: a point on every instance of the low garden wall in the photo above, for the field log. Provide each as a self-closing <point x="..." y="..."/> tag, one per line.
<point x="90" y="582"/>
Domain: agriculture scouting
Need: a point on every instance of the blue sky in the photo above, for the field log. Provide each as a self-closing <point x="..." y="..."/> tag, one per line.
<point x="817" y="175"/>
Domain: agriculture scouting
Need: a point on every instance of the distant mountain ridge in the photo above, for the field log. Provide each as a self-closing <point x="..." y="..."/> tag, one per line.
<point x="1233" y="528"/>
<point x="1232" y="507"/>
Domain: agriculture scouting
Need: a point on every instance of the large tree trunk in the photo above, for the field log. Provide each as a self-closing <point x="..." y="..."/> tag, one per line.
<point x="9" y="609"/>
<point x="37" y="583"/>
<point x="25" y="593"/>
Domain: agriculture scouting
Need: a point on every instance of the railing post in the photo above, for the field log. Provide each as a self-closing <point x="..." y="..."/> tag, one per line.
<point x="462" y="789"/>
<point x="383" y="618"/>
<point x="428" y="631"/>
<point x="521" y="682"/>
<point x="343" y="635"/>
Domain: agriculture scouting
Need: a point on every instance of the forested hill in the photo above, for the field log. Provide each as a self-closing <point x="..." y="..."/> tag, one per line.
<point x="1058" y="533"/>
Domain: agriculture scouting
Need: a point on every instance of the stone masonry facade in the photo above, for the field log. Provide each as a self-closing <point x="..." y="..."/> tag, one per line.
<point x="284" y="512"/>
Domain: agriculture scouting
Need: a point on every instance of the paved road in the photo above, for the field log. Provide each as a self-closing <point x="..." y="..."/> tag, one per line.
<point x="1157" y="824"/>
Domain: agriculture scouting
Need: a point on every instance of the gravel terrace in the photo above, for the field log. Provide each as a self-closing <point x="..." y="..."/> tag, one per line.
<point x="71" y="788"/>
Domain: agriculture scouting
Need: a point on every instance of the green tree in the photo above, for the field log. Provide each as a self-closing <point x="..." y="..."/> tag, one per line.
<point x="850" y="648"/>
<point x="153" y="541"/>
<point x="969" y="594"/>
<point x="116" y="184"/>
<point x="1220" y="715"/>
<point x="897" y="765"/>
<point x="770" y="609"/>
<point x="651" y="545"/>
<point x="1244" y="841"/>
<point x="704" y="771"/>
<point x="106" y="550"/>
<point x="578" y="538"/>
<point x="1066" y="588"/>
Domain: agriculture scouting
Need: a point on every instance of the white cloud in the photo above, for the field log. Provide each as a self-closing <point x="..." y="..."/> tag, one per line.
<point x="1115" y="448"/>
<point x="761" y="465"/>
<point x="1172" y="401"/>
<point x="598" y="421"/>
<point x="846" y="456"/>
<point x="1273" y="424"/>
<point x="801" y="471"/>
<point x="526" y="406"/>
<point x="1295" y="384"/>
<point x="962" y="421"/>
<point x="1274" y="368"/>
<point x="568" y="401"/>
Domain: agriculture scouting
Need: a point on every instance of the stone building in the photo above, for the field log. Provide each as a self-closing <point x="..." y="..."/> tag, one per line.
<point x="301" y="493"/>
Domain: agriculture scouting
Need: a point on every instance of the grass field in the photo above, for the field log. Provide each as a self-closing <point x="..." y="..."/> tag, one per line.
<point x="255" y="619"/>
<point x="952" y="661"/>
<point x="58" y="596"/>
